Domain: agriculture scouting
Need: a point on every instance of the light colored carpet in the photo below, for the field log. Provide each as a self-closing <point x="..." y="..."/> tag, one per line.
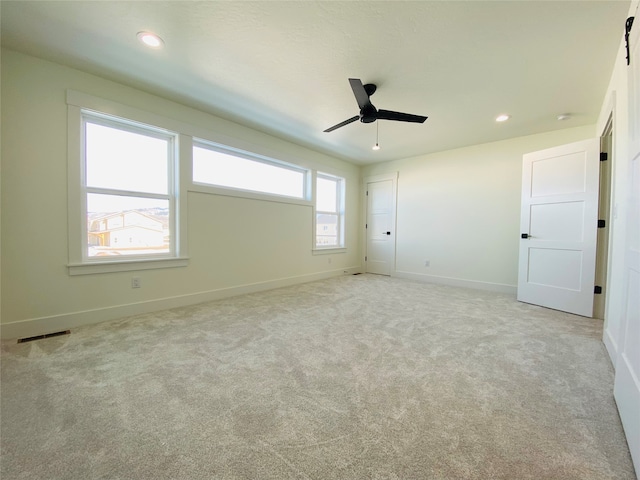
<point x="356" y="377"/>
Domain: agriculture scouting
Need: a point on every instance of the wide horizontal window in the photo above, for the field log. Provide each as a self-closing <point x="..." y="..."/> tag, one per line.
<point x="217" y="166"/>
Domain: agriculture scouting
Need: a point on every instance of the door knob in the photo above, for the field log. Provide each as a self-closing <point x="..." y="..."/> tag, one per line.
<point x="525" y="235"/>
<point x="387" y="233"/>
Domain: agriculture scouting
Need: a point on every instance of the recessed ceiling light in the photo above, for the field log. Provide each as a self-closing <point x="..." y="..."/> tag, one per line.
<point x="564" y="116"/>
<point x="503" y="118"/>
<point x="150" y="39"/>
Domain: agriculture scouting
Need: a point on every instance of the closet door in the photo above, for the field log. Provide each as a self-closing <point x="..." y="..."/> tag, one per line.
<point x="627" y="381"/>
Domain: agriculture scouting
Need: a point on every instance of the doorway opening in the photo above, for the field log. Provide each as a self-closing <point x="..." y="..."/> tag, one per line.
<point x="604" y="206"/>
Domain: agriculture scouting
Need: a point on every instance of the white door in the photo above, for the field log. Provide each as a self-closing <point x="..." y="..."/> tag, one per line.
<point x="627" y="380"/>
<point x="380" y="226"/>
<point x="558" y="226"/>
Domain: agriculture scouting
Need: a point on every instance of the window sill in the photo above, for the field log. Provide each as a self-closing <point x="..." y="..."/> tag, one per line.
<point x="125" y="265"/>
<point x="236" y="192"/>
<point x="328" y="250"/>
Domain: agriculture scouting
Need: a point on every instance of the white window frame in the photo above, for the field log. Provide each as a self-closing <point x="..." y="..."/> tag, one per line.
<point x="81" y="107"/>
<point x="340" y="204"/>
<point x="246" y="193"/>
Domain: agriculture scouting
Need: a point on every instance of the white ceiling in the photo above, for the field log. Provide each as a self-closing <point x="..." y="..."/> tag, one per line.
<point x="283" y="67"/>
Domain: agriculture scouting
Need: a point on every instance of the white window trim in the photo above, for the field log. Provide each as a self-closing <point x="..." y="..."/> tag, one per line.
<point x="170" y="196"/>
<point x="78" y="263"/>
<point x="341" y="248"/>
<point x="328" y="250"/>
<point x="251" y="194"/>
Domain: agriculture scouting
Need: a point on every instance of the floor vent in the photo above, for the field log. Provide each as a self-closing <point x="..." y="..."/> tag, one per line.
<point x="40" y="337"/>
<point x="357" y="273"/>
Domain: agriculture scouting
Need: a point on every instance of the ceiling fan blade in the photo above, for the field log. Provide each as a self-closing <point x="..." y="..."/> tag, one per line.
<point x="342" y="124"/>
<point x="400" y="117"/>
<point x="361" y="94"/>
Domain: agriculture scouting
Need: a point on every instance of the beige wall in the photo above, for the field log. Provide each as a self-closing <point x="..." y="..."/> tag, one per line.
<point x="460" y="209"/>
<point x="235" y="244"/>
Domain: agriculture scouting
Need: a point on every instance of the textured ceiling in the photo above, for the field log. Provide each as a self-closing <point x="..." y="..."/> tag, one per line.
<point x="283" y="67"/>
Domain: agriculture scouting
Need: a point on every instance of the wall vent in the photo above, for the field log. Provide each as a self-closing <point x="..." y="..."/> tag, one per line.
<point x="40" y="337"/>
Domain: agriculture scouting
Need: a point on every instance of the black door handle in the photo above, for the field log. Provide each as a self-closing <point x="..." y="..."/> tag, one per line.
<point x="524" y="235"/>
<point x="388" y="233"/>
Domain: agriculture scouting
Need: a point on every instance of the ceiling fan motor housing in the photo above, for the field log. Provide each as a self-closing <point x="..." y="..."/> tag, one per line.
<point x="368" y="114"/>
<point x="370" y="88"/>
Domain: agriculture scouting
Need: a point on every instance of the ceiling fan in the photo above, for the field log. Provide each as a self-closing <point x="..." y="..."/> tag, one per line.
<point x="369" y="113"/>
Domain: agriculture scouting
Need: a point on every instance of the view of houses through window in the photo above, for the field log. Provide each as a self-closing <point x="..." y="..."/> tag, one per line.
<point x="115" y="226"/>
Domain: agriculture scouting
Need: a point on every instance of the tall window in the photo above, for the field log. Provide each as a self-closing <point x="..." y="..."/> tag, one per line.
<point x="223" y="167"/>
<point x="329" y="211"/>
<point x="128" y="189"/>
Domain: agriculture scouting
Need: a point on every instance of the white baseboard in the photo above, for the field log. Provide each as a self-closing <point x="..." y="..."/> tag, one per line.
<point x="56" y="323"/>
<point x="352" y="270"/>
<point x="611" y="345"/>
<point x="457" y="282"/>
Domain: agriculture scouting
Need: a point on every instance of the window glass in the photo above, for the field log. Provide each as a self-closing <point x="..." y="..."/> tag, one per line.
<point x="326" y="230"/>
<point x="123" y="225"/>
<point x="125" y="160"/>
<point x="213" y="167"/>
<point x="326" y="195"/>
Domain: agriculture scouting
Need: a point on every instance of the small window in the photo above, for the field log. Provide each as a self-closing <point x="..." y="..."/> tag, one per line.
<point x="129" y="195"/>
<point x="329" y="211"/>
<point x="223" y="167"/>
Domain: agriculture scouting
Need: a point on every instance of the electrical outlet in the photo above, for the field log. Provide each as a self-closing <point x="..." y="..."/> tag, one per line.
<point x="427" y="263"/>
<point x="136" y="282"/>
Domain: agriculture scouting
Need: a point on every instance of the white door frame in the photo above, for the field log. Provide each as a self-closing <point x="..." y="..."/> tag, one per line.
<point x="394" y="182"/>
<point x="609" y="116"/>
<point x="603" y="251"/>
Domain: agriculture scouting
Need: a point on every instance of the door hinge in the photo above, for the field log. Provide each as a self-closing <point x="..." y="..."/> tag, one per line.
<point x="597" y="290"/>
<point x="365" y="259"/>
<point x="367" y="193"/>
<point x="603" y="156"/>
<point x="602" y="223"/>
<point x="366" y="225"/>
<point x="627" y="31"/>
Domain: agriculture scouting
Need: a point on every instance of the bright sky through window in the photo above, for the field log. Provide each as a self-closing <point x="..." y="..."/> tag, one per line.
<point x="119" y="203"/>
<point x="326" y="196"/>
<point x="124" y="160"/>
<point x="217" y="168"/>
